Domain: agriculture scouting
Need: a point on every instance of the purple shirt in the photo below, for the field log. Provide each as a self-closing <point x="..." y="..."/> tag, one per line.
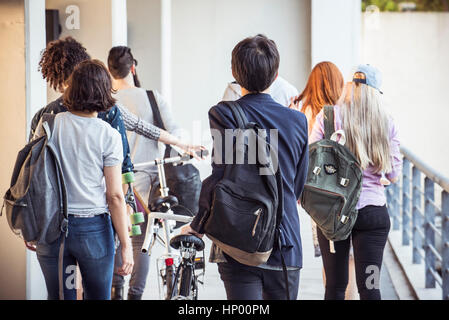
<point x="372" y="190"/>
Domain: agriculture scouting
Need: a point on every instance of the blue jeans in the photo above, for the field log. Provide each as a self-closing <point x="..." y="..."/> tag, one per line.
<point x="139" y="275"/>
<point x="90" y="244"/>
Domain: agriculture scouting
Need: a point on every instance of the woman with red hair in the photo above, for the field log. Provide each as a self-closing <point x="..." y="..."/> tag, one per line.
<point x="323" y="88"/>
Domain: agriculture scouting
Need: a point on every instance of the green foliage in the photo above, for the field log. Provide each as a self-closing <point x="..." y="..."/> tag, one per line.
<point x="432" y="5"/>
<point x="391" y="6"/>
<point x="383" y="5"/>
<point x="421" y="5"/>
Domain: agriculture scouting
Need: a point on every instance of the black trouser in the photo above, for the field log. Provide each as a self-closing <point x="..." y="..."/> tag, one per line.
<point x="252" y="283"/>
<point x="369" y="237"/>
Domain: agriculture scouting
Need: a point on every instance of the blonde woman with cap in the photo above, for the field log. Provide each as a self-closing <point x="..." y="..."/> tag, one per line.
<point x="372" y="137"/>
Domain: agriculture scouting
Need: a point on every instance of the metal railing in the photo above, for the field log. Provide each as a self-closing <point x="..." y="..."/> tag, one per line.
<point x="422" y="214"/>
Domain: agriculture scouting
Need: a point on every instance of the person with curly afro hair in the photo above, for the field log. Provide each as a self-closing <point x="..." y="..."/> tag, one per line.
<point x="59" y="60"/>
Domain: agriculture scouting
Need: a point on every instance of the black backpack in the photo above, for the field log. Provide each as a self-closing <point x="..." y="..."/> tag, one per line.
<point x="184" y="182"/>
<point x="36" y="202"/>
<point x="247" y="206"/>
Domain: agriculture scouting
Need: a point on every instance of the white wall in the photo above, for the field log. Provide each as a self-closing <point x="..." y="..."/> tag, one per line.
<point x="336" y="33"/>
<point x="412" y="51"/>
<point x="36" y="96"/>
<point x="144" y="39"/>
<point x="204" y="32"/>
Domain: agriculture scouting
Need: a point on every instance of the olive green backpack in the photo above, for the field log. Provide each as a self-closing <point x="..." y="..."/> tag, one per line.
<point x="334" y="183"/>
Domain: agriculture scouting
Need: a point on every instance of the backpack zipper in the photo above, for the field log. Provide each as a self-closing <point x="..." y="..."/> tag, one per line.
<point x="332" y="147"/>
<point x="258" y="214"/>
<point x="239" y="196"/>
<point x="16" y="204"/>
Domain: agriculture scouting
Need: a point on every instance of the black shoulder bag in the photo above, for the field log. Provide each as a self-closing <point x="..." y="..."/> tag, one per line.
<point x="183" y="181"/>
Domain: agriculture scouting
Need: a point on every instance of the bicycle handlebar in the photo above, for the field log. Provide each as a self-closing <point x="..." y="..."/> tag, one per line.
<point x="179" y="159"/>
<point x="146" y="247"/>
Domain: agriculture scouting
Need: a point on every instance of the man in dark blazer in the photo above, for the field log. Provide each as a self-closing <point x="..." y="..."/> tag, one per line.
<point x="255" y="63"/>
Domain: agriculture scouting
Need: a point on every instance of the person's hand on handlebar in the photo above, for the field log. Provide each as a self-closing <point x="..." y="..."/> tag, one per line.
<point x="188" y="230"/>
<point x="191" y="150"/>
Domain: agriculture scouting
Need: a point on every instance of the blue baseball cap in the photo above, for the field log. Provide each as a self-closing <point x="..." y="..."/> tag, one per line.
<point x="371" y="76"/>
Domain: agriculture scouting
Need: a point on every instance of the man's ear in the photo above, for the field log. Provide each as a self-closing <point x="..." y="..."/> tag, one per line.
<point x="133" y="69"/>
<point x="277" y="75"/>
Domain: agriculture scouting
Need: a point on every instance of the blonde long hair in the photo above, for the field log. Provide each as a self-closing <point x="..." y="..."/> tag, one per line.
<point x="366" y="125"/>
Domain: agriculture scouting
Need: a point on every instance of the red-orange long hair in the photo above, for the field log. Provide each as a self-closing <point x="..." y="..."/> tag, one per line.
<point x="324" y="87"/>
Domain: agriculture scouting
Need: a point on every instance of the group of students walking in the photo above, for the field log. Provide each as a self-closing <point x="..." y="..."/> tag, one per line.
<point x="98" y="132"/>
<point x="90" y="133"/>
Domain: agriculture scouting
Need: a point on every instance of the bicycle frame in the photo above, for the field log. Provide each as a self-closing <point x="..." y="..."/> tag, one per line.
<point x="149" y="235"/>
<point x="169" y="260"/>
<point x="164" y="217"/>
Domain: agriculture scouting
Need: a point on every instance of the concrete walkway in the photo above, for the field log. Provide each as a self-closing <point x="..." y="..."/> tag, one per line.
<point x="311" y="283"/>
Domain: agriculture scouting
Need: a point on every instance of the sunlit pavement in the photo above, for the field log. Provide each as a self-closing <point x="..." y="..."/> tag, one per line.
<point x="311" y="283"/>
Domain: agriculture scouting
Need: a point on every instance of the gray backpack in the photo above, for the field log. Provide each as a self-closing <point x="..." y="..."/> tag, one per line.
<point x="334" y="183"/>
<point x="36" y="202"/>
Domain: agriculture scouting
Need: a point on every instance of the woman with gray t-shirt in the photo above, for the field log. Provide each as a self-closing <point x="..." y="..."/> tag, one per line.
<point x="91" y="154"/>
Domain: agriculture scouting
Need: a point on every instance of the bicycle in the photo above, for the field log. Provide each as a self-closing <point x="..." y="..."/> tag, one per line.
<point x="177" y="278"/>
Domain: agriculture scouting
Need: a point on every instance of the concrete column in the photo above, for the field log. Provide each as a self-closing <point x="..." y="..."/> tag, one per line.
<point x="166" y="41"/>
<point x="336" y="33"/>
<point x="119" y="23"/>
<point x="24" y="23"/>
<point x="149" y="34"/>
<point x="144" y="38"/>
<point x="36" y="97"/>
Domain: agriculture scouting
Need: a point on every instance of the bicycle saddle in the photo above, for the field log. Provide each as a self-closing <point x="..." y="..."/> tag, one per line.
<point x="158" y="203"/>
<point x="175" y="242"/>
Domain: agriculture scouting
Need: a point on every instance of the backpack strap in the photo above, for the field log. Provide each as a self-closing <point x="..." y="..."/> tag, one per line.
<point x="156" y="112"/>
<point x="48" y="123"/>
<point x="329" y="126"/>
<point x="242" y="115"/>
<point x="65" y="221"/>
<point x="238" y="113"/>
<point x="158" y="122"/>
<point x="280" y="214"/>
